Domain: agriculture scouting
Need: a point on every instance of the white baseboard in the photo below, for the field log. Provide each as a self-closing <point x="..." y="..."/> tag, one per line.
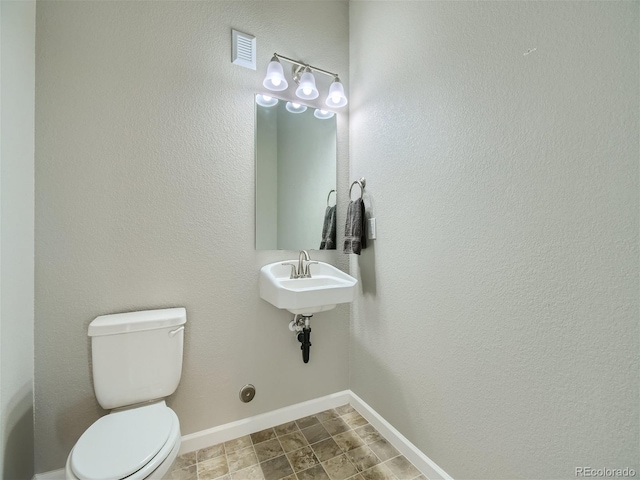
<point x="52" y="475"/>
<point x="239" y="428"/>
<point x="229" y="431"/>
<point x="423" y="463"/>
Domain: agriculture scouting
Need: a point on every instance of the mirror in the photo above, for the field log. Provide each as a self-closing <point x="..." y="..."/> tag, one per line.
<point x="295" y="171"/>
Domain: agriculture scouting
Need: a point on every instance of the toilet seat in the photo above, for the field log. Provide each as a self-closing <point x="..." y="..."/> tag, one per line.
<point x="126" y="444"/>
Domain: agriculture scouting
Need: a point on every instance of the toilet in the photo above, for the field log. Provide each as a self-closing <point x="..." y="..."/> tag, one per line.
<point x="137" y="362"/>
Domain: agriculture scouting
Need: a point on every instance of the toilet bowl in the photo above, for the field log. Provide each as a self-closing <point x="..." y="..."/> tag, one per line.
<point x="137" y="362"/>
<point x="137" y="443"/>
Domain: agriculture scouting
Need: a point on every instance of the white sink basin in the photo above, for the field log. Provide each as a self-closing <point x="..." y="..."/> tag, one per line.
<point x="327" y="287"/>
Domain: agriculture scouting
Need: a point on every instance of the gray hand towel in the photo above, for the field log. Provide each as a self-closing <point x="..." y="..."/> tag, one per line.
<point x="329" y="229"/>
<point x="354" y="239"/>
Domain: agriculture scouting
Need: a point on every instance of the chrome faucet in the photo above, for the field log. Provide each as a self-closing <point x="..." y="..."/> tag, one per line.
<point x="303" y="268"/>
<point x="304" y="256"/>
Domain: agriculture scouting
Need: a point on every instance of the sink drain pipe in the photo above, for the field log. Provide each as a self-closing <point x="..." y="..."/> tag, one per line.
<point x="301" y="325"/>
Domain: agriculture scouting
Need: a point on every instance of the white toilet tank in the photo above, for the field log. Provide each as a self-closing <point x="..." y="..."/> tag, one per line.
<point x="137" y="356"/>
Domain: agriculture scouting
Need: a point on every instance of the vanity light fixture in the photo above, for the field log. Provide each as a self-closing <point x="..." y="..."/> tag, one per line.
<point x="266" y="100"/>
<point x="303" y="76"/>
<point x="323" y="114"/>
<point x="295" y="107"/>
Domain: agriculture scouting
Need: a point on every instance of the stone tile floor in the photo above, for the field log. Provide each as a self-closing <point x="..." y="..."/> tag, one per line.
<point x="337" y="444"/>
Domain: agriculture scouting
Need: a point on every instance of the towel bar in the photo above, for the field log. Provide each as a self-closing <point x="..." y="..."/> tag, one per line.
<point x="329" y="196"/>
<point x="362" y="183"/>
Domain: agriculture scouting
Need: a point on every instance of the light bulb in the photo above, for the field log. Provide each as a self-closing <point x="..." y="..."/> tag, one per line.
<point x="295" y="107"/>
<point x="336" y="97"/>
<point x="274" y="79"/>
<point x="307" y="86"/>
<point x="323" y="114"/>
<point x="266" y="100"/>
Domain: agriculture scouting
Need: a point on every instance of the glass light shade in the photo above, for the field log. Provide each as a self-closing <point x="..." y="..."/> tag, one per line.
<point x="266" y="100"/>
<point x="307" y="88"/>
<point x="295" y="107"/>
<point x="323" y="114"/>
<point x="336" y="97"/>
<point x="274" y="79"/>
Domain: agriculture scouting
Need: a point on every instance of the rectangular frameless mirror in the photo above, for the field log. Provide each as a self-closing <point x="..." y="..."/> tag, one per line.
<point x="295" y="172"/>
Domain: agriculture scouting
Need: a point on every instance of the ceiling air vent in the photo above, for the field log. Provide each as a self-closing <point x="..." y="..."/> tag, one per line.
<point x="243" y="49"/>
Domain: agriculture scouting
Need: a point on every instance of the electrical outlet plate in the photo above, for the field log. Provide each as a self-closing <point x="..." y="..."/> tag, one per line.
<point x="371" y="229"/>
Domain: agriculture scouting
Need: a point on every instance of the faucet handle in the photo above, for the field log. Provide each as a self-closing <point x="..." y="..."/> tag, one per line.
<point x="307" y="271"/>
<point x="294" y="273"/>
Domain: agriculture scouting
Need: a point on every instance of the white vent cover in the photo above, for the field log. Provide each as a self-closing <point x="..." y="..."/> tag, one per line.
<point x="243" y="49"/>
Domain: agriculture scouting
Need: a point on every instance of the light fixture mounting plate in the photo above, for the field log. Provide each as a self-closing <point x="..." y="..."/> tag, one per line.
<point x="296" y="72"/>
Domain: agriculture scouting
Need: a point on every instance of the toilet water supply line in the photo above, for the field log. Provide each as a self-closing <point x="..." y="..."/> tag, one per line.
<point x="301" y="326"/>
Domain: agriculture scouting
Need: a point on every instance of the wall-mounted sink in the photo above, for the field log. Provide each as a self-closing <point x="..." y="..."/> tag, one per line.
<point x="327" y="287"/>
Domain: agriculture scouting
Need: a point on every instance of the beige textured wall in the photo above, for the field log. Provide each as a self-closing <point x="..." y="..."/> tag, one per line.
<point x="498" y="323"/>
<point x="145" y="198"/>
<point x="17" y="60"/>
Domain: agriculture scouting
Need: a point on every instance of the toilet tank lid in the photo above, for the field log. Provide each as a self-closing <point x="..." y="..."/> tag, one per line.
<point x="137" y="321"/>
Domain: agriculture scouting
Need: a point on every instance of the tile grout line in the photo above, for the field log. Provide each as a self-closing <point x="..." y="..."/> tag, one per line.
<point x="343" y="452"/>
<point x="226" y="459"/>
<point x="284" y="453"/>
<point x="310" y="445"/>
<point x="354" y="431"/>
<point x="331" y="437"/>
<point x="382" y="462"/>
<point x="376" y="455"/>
<point x="253" y="445"/>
